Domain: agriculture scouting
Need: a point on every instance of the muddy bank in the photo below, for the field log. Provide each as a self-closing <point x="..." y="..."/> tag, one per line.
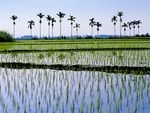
<point x="109" y="69"/>
<point x="66" y="50"/>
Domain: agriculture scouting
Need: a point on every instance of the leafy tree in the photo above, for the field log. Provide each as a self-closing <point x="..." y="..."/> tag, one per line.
<point x="72" y="19"/>
<point x="61" y="15"/>
<point x="114" y="20"/>
<point x="92" y="23"/>
<point x="76" y="27"/>
<point x="120" y="14"/>
<point x="40" y="15"/>
<point x="13" y="17"/>
<point x="30" y="26"/>
<point x="98" y="25"/>
<point x="53" y="21"/>
<point x="49" y="18"/>
<point x="125" y="26"/>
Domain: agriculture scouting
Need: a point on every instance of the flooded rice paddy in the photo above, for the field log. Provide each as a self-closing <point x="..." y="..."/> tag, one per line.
<point x="64" y="91"/>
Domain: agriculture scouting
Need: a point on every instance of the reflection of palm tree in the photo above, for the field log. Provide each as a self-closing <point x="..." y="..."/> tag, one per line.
<point x="72" y="19"/>
<point x="14" y="23"/>
<point x="97" y="24"/>
<point x="53" y="20"/>
<point x="129" y="25"/>
<point x="49" y="18"/>
<point x="40" y="15"/>
<point x="77" y="26"/>
<point x="114" y="20"/>
<point x="120" y="14"/>
<point x="124" y="26"/>
<point x="138" y="23"/>
<point x="61" y="15"/>
<point x="31" y="24"/>
<point x="92" y="22"/>
<point x="134" y="23"/>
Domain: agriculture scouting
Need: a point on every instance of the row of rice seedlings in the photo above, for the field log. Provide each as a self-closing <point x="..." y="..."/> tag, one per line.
<point x="42" y="90"/>
<point x="99" y="58"/>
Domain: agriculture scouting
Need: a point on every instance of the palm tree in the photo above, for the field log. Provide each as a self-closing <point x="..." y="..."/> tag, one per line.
<point x="61" y="15"/>
<point x="40" y="15"/>
<point x="120" y="14"/>
<point x="134" y="23"/>
<point x="114" y="20"/>
<point x="138" y="23"/>
<point x="77" y="26"/>
<point x="49" y="18"/>
<point x="124" y="26"/>
<point x="72" y="19"/>
<point x="129" y="25"/>
<point x="13" y="17"/>
<point x="98" y="25"/>
<point x="53" y="20"/>
<point x="92" y="22"/>
<point x="31" y="24"/>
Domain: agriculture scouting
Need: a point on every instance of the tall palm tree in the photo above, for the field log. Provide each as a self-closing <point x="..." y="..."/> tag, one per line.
<point x="98" y="25"/>
<point x="53" y="21"/>
<point x="49" y="18"/>
<point x="30" y="26"/>
<point x="134" y="23"/>
<point x="114" y="20"/>
<point x="138" y="23"/>
<point x="92" y="22"/>
<point x="129" y="25"/>
<point x="76" y="27"/>
<point x="61" y="15"/>
<point x="125" y="26"/>
<point x="120" y="14"/>
<point x="13" y="17"/>
<point x="40" y="15"/>
<point x="72" y="19"/>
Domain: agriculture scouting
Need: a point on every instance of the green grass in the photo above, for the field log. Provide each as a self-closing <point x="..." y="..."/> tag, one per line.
<point x="75" y="44"/>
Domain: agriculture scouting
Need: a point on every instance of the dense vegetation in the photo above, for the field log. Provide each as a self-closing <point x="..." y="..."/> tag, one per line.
<point x="6" y="37"/>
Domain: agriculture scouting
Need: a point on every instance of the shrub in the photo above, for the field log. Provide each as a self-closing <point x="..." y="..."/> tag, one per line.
<point x="79" y="38"/>
<point x="45" y="38"/>
<point x="63" y="37"/>
<point x="34" y="38"/>
<point x="88" y="37"/>
<point x="6" y="37"/>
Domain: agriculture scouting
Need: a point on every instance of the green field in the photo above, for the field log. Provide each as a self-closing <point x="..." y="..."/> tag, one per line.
<point x="75" y="76"/>
<point x="75" y="44"/>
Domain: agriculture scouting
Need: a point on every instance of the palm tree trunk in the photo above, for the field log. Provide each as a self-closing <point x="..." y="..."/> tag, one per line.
<point x="30" y="32"/>
<point x="71" y="31"/>
<point x="76" y="32"/>
<point x="134" y="31"/>
<point x="49" y="31"/>
<point x="60" y="28"/>
<point x="14" y="30"/>
<point x="114" y="30"/>
<point x="40" y="30"/>
<point x="92" y="31"/>
<point x="120" y="28"/>
<point x="138" y="30"/>
<point x="52" y="31"/>
<point x="129" y="31"/>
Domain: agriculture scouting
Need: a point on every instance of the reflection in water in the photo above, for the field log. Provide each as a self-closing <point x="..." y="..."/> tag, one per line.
<point x="45" y="90"/>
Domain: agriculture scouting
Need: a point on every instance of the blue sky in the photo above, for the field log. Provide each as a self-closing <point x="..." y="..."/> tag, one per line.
<point x="83" y="10"/>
